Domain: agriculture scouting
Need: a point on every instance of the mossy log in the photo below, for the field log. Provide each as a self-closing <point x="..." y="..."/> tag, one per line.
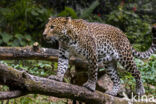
<point x="22" y="83"/>
<point x="35" y="53"/>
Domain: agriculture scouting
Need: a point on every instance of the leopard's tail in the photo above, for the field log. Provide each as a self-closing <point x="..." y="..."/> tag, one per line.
<point x="151" y="50"/>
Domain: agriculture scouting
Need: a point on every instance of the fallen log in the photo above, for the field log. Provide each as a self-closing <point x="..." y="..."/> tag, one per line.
<point x="35" y="53"/>
<point x="22" y="83"/>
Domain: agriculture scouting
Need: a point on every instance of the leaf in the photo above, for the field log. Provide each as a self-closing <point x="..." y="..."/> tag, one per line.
<point x="28" y="37"/>
<point x="18" y="36"/>
<point x="89" y="10"/>
<point x="33" y="12"/>
<point x="15" y="43"/>
<point x="5" y="11"/>
<point x="6" y="37"/>
<point x="68" y="12"/>
<point x="101" y="69"/>
<point x="1" y="41"/>
<point x="41" y="10"/>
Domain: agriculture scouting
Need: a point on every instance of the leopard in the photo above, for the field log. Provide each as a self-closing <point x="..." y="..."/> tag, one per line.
<point x="96" y="43"/>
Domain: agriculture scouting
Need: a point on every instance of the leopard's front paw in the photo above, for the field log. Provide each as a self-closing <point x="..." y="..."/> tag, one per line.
<point x="111" y="93"/>
<point x="90" y="85"/>
<point x="53" y="77"/>
<point x="114" y="90"/>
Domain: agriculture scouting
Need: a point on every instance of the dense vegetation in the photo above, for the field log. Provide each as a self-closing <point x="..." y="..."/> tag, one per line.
<point x="22" y="23"/>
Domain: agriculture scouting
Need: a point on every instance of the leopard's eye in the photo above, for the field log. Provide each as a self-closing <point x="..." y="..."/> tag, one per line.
<point x="51" y="27"/>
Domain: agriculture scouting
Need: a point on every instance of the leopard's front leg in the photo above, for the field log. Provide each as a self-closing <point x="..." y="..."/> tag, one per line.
<point x="63" y="61"/>
<point x="92" y="73"/>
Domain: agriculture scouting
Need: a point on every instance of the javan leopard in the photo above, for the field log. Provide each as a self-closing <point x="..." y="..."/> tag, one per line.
<point x="98" y="44"/>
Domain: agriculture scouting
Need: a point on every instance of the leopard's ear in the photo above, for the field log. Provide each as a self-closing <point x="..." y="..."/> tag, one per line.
<point x="52" y="17"/>
<point x="68" y="19"/>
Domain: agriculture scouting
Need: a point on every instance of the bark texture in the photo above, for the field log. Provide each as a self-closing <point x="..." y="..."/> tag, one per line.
<point x="25" y="83"/>
<point x="35" y="53"/>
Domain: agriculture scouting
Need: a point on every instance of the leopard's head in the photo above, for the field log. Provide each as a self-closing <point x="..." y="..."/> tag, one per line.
<point x="56" y="28"/>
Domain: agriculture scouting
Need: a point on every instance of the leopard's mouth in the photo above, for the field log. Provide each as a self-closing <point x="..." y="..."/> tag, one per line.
<point x="52" y="40"/>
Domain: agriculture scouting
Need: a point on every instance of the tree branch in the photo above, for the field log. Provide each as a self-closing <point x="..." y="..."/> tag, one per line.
<point x="19" y="53"/>
<point x="11" y="94"/>
<point x="22" y="81"/>
<point x="35" y="53"/>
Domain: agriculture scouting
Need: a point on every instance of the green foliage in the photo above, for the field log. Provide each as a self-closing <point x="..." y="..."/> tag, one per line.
<point x="40" y="68"/>
<point x="148" y="73"/>
<point x="26" y="100"/>
<point x="88" y="11"/>
<point x="68" y="12"/>
<point x="148" y="69"/>
<point x="34" y="99"/>
<point x="15" y="40"/>
<point x="20" y="19"/>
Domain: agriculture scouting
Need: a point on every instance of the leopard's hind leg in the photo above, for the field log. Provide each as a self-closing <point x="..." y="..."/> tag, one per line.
<point x="127" y="61"/>
<point x="111" y="69"/>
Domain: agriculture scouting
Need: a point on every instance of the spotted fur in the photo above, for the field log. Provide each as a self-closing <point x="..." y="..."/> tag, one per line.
<point x="98" y="44"/>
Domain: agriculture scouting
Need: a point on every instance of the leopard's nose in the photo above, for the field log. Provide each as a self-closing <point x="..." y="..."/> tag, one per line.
<point x="44" y="36"/>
